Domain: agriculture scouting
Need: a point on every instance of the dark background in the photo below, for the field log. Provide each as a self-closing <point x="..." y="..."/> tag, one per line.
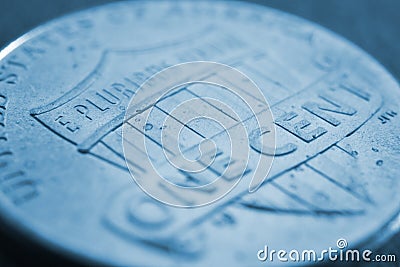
<point x="374" y="25"/>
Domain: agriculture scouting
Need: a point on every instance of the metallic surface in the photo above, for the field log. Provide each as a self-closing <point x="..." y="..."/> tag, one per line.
<point x="335" y="178"/>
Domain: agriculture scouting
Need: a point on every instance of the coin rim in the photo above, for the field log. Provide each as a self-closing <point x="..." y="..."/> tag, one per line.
<point x="12" y="219"/>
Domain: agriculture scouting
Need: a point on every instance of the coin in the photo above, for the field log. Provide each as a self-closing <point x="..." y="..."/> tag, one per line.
<point x="64" y="181"/>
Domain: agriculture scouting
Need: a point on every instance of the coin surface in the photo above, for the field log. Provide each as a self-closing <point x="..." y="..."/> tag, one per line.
<point x="63" y="177"/>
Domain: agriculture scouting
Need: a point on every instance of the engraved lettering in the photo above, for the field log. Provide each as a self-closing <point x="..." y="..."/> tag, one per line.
<point x="3" y="107"/>
<point x="67" y="124"/>
<point x="3" y="157"/>
<point x="33" y="52"/>
<point x="17" y="187"/>
<point x="3" y="101"/>
<point x="102" y="109"/>
<point x="109" y="97"/>
<point x="84" y="110"/>
<point x="22" y="191"/>
<point x="299" y="128"/>
<point x="14" y="62"/>
<point x="3" y="104"/>
<point x="2" y="118"/>
<point x="9" y="78"/>
<point x="331" y="104"/>
<point x="47" y="39"/>
<point x="72" y="30"/>
<point x="355" y="90"/>
<point x="255" y="144"/>
<point x="387" y="116"/>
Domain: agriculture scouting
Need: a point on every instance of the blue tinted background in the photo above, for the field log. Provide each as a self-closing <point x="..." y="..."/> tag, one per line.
<point x="374" y="25"/>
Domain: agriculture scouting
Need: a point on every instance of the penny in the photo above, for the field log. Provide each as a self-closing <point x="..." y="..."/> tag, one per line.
<point x="63" y="176"/>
